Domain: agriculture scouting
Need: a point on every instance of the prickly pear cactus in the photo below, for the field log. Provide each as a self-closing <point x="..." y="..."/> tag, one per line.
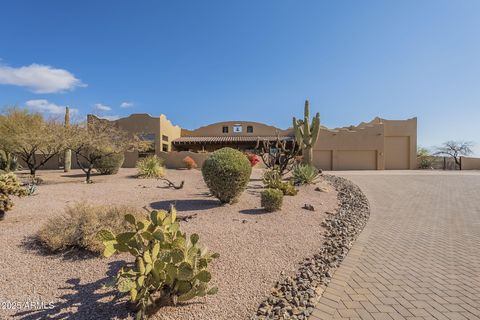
<point x="9" y="186"/>
<point x="169" y="266"/>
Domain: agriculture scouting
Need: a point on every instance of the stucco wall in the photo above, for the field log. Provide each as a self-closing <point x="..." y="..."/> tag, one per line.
<point x="344" y="149"/>
<point x="215" y="129"/>
<point x="143" y="123"/>
<point x="469" y="163"/>
<point x="51" y="164"/>
<point x="379" y="144"/>
<point x="395" y="132"/>
<point x="168" y="130"/>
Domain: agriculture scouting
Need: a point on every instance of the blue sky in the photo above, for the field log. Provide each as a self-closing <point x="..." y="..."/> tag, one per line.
<point x="200" y="62"/>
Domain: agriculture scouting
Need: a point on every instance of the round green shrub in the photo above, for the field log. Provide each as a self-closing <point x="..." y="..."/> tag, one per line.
<point x="272" y="199"/>
<point x="109" y="163"/>
<point x="226" y="173"/>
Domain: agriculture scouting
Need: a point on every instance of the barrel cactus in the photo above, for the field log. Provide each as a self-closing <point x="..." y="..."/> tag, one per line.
<point x="9" y="186"/>
<point x="169" y="266"/>
<point x="226" y="173"/>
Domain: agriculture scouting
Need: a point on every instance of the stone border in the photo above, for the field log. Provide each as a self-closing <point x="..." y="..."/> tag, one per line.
<point x="295" y="298"/>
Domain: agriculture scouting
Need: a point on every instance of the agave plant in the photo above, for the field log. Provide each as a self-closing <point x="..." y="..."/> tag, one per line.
<point x="169" y="266"/>
<point x="305" y="174"/>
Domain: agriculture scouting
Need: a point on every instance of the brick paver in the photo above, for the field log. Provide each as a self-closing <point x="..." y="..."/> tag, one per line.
<point x="419" y="255"/>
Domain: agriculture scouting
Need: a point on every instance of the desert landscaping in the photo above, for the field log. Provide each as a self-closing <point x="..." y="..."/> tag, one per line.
<point x="250" y="242"/>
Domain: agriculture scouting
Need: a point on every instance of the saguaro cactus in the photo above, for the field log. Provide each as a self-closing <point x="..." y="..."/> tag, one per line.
<point x="67" y="162"/>
<point x="306" y="134"/>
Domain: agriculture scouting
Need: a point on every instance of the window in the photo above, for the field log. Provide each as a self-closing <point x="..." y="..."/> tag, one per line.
<point x="225" y="129"/>
<point x="164" y="137"/>
<point x="165" y="147"/>
<point x="150" y="149"/>
<point x="249" y="129"/>
<point x="237" y="128"/>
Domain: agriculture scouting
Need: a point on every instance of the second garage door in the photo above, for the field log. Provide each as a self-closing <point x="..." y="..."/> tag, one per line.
<point x="396" y="153"/>
<point x="357" y="160"/>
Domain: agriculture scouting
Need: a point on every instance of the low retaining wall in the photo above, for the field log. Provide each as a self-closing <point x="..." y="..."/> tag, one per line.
<point x="174" y="159"/>
<point x="469" y="163"/>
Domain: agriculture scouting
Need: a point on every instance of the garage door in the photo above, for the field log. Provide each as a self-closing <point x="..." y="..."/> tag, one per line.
<point x="396" y="153"/>
<point x="322" y="159"/>
<point x="357" y="160"/>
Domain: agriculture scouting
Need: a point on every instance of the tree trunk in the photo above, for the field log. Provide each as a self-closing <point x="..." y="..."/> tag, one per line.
<point x="308" y="155"/>
<point x="32" y="171"/>
<point x="89" y="173"/>
<point x="2" y="214"/>
<point x="457" y="162"/>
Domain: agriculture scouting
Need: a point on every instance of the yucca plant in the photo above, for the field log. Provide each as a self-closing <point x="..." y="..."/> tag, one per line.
<point x="169" y="266"/>
<point x="305" y="174"/>
<point x="150" y="167"/>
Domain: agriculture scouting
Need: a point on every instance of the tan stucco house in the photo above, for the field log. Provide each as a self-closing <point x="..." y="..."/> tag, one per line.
<point x="377" y="145"/>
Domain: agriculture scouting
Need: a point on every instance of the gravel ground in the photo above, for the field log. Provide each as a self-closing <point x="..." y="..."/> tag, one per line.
<point x="295" y="297"/>
<point x="255" y="247"/>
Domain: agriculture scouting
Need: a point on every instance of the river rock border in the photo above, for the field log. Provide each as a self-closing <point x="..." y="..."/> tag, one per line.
<point x="295" y="297"/>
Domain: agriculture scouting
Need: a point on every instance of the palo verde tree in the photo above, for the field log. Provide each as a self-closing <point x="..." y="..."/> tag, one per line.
<point x="455" y="149"/>
<point x="30" y="137"/>
<point x="96" y="139"/>
<point x="306" y="134"/>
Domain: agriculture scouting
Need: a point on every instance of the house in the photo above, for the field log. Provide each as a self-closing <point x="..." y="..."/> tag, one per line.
<point x="242" y="135"/>
<point x="376" y="145"/>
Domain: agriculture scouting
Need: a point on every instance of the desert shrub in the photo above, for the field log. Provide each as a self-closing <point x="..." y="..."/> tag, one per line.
<point x="288" y="188"/>
<point x="305" y="174"/>
<point x="169" y="266"/>
<point x="79" y="225"/>
<point x="150" y="167"/>
<point x="9" y="186"/>
<point x="109" y="163"/>
<point x="226" y="173"/>
<point x="272" y="199"/>
<point x="189" y="163"/>
<point x="425" y="159"/>
<point x="253" y="158"/>
<point x="273" y="180"/>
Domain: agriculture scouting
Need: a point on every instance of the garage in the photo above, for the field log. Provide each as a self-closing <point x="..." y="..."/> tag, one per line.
<point x="356" y="160"/>
<point x="322" y="159"/>
<point x="397" y="153"/>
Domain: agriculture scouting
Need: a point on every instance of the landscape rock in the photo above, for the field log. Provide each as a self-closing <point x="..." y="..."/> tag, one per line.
<point x="295" y="298"/>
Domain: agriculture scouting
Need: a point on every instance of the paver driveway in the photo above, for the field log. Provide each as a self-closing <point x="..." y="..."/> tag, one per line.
<point x="418" y="256"/>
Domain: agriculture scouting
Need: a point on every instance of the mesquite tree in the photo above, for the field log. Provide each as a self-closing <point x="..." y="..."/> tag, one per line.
<point x="30" y="137"/>
<point x="92" y="141"/>
<point x="455" y="149"/>
<point x="306" y="134"/>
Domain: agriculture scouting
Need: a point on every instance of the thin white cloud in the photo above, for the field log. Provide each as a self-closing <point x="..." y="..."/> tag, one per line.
<point x="126" y="104"/>
<point x="44" y="106"/>
<point x="111" y="118"/>
<point x="102" y="107"/>
<point x="39" y="78"/>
